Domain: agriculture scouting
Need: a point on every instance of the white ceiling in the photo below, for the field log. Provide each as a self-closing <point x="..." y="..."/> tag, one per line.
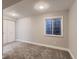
<point x="8" y="3"/>
<point x="26" y="7"/>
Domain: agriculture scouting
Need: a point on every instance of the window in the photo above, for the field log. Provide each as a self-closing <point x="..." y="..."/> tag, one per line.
<point x="54" y="26"/>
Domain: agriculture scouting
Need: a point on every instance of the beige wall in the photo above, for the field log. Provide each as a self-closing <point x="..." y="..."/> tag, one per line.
<point x="73" y="30"/>
<point x="32" y="29"/>
<point x="23" y="29"/>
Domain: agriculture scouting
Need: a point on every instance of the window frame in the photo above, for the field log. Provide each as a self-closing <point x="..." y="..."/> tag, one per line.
<point x="52" y="19"/>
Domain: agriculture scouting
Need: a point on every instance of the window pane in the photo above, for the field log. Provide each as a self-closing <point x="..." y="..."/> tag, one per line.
<point x="57" y="26"/>
<point x="48" y="26"/>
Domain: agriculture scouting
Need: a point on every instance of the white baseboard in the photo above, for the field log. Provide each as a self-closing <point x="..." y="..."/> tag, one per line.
<point x="40" y="44"/>
<point x="54" y="47"/>
<point x="71" y="54"/>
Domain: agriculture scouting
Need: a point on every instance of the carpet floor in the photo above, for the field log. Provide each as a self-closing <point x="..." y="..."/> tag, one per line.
<point x="20" y="50"/>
